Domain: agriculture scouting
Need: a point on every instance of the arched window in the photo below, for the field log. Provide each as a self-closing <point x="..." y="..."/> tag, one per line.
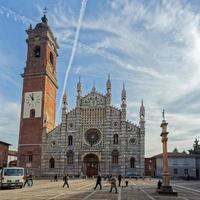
<point x="51" y="58"/>
<point x="115" y="139"/>
<point x="32" y="113"/>
<point x="115" y="156"/>
<point x="132" y="162"/>
<point x="70" y="157"/>
<point x="70" y="140"/>
<point x="51" y="163"/>
<point x="37" y="51"/>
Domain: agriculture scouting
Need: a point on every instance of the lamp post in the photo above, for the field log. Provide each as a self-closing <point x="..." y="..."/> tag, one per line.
<point x="165" y="188"/>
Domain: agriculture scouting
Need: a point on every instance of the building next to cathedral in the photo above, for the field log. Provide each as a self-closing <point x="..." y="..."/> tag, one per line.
<point x="93" y="137"/>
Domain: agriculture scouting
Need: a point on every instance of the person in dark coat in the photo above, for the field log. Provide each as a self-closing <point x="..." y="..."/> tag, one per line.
<point x="98" y="182"/>
<point x="55" y="178"/>
<point x="65" y="179"/>
<point x="26" y="180"/>
<point x="30" y="180"/>
<point x="119" y="180"/>
<point x="159" y="184"/>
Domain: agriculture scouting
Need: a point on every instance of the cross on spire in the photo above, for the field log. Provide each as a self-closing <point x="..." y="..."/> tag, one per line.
<point x="45" y="11"/>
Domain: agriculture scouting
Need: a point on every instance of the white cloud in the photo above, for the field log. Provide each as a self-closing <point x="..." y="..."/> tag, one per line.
<point x="9" y="121"/>
<point x="14" y="15"/>
<point x="155" y="48"/>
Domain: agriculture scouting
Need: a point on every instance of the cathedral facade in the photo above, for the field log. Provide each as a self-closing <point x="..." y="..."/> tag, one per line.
<point x="93" y="137"/>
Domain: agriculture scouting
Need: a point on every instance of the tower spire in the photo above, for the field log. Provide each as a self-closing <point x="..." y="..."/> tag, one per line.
<point x="142" y="110"/>
<point x="108" y="91"/>
<point x="93" y="88"/>
<point x="123" y="95"/>
<point x="79" y="87"/>
<point x="123" y="104"/>
<point x="65" y="102"/>
<point x="108" y="84"/>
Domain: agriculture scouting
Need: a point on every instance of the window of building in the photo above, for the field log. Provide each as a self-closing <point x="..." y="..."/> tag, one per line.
<point x="175" y="171"/>
<point x="186" y="171"/>
<point x="51" y="163"/>
<point x="32" y="113"/>
<point x="70" y="140"/>
<point x="132" y="162"/>
<point x="37" y="51"/>
<point x="51" y="58"/>
<point x="30" y="158"/>
<point x="115" y="156"/>
<point x="115" y="139"/>
<point x="70" y="157"/>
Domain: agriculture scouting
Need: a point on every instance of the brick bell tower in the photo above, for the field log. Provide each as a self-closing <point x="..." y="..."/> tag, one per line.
<point x="38" y="107"/>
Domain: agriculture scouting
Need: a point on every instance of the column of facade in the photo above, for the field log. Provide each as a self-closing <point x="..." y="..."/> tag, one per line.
<point x="142" y="138"/>
<point x="107" y="130"/>
<point x="78" y="162"/>
<point x="123" y="135"/>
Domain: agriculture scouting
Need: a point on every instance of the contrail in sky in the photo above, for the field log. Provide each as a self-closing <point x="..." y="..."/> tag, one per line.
<point x="82" y="12"/>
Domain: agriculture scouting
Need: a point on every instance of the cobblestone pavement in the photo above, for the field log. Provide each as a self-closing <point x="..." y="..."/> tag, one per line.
<point x="83" y="190"/>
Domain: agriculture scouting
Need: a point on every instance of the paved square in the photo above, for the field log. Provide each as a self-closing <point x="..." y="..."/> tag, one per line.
<point x="83" y="189"/>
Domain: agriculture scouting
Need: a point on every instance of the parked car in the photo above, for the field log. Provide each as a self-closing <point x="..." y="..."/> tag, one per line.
<point x="11" y="177"/>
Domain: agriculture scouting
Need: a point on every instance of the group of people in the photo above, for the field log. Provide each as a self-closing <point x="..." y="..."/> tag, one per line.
<point x="28" y="180"/>
<point x="112" y="180"/>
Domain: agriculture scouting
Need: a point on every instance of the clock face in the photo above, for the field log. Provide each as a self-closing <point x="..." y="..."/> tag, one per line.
<point x="32" y="100"/>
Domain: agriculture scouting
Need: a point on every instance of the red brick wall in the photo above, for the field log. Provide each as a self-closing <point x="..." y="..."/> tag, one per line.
<point x="3" y="154"/>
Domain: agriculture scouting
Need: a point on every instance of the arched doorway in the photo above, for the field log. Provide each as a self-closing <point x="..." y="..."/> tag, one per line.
<point x="91" y="165"/>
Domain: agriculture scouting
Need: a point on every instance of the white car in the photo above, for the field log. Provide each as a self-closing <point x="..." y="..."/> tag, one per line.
<point x="12" y="177"/>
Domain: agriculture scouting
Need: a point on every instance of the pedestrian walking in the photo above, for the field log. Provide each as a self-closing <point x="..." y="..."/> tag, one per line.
<point x="113" y="184"/>
<point x="159" y="184"/>
<point x="126" y="183"/>
<point x="65" y="179"/>
<point x="55" y="178"/>
<point x="98" y="182"/>
<point x="119" y="180"/>
<point x="26" y="180"/>
<point x="30" y="180"/>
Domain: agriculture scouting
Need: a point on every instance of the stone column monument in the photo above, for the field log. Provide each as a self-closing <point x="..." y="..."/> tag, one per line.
<point x="165" y="188"/>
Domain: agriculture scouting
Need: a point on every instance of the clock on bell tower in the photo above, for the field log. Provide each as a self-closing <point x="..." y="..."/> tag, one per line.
<point x="38" y="107"/>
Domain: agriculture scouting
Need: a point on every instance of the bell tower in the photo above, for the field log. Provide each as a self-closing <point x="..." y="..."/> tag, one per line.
<point x="38" y="106"/>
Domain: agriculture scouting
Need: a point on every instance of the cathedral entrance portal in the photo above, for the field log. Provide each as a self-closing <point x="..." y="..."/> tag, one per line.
<point x="91" y="165"/>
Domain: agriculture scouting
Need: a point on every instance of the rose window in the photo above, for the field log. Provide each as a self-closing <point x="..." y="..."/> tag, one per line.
<point x="132" y="140"/>
<point x="92" y="136"/>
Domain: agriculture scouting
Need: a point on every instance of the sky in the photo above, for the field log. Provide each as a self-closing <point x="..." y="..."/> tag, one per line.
<point x="153" y="46"/>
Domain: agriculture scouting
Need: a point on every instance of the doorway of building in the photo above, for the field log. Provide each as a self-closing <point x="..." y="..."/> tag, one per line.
<point x="91" y="165"/>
